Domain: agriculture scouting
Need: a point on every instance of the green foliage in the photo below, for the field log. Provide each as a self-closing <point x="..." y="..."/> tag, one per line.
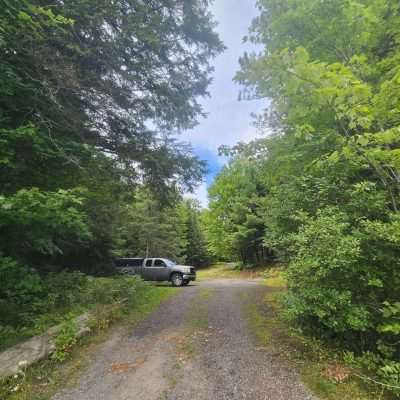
<point x="37" y="223"/>
<point x="83" y="177"/>
<point x="148" y="227"/>
<point x="326" y="189"/>
<point x="31" y="304"/>
<point x="114" y="290"/>
<point x="72" y="72"/>
<point x="326" y="252"/>
<point x="391" y="314"/>
<point x="65" y="339"/>
<point x="152" y="227"/>
<point x="390" y="375"/>
<point x="193" y="250"/>
<point x="233" y="225"/>
<point x="74" y="139"/>
<point x="20" y="286"/>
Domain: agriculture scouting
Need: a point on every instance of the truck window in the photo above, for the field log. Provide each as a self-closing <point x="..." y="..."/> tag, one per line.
<point x="119" y="263"/>
<point x="148" y="263"/>
<point x="135" y="262"/>
<point x="159" y="263"/>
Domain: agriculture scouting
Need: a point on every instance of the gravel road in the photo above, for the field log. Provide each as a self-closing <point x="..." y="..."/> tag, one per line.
<point x="196" y="346"/>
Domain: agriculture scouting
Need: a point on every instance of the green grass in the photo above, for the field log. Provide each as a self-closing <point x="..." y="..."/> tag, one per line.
<point x="206" y="293"/>
<point x="229" y="271"/>
<point x="196" y="325"/>
<point x="351" y="389"/>
<point x="43" y="379"/>
<point x="199" y="310"/>
<point x="308" y="355"/>
<point x="275" y="278"/>
<point x="188" y="348"/>
<point x="258" y="324"/>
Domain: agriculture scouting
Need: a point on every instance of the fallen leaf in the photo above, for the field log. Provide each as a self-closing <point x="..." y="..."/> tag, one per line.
<point x="126" y="366"/>
<point x="336" y="372"/>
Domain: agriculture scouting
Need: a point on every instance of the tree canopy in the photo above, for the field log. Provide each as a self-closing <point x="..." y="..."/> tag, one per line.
<point x="93" y="96"/>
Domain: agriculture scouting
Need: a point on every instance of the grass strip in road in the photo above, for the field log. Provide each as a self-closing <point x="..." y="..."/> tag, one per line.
<point x="198" y="320"/>
<point x="258" y="324"/>
<point x="196" y="328"/>
<point x="44" y="379"/>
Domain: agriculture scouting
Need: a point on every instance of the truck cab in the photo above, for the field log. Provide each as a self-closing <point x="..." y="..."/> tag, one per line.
<point x="157" y="269"/>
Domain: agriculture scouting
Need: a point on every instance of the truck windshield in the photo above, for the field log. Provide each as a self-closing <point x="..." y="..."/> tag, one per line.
<point x="170" y="263"/>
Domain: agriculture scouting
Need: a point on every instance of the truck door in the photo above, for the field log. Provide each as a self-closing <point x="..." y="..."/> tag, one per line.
<point x="155" y="270"/>
<point x="161" y="271"/>
<point x="147" y="271"/>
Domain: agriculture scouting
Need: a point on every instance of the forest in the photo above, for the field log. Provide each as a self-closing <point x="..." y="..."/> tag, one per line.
<point x="92" y="96"/>
<point x="319" y="192"/>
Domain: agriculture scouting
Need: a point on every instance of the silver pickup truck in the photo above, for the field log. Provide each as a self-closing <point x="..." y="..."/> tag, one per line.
<point x="157" y="269"/>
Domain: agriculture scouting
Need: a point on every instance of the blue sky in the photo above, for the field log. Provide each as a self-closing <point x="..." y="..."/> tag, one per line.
<point x="228" y="120"/>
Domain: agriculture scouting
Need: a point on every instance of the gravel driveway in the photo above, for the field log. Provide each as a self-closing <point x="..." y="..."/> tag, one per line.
<point x="196" y="346"/>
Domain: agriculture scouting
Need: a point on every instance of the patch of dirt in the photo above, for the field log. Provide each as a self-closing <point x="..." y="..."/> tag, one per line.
<point x="125" y="366"/>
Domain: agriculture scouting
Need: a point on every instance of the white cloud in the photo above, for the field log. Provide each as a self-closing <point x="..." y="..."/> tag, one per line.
<point x="200" y="194"/>
<point x="228" y="119"/>
<point x="225" y="127"/>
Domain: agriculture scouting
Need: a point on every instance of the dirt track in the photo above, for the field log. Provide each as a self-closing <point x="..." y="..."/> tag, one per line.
<point x="196" y="346"/>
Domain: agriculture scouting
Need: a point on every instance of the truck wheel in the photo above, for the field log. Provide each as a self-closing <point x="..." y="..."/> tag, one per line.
<point x="185" y="283"/>
<point x="177" y="279"/>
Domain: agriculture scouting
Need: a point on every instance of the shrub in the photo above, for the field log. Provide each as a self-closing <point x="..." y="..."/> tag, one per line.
<point x="65" y="339"/>
<point x="324" y="274"/>
<point x="20" y="287"/>
<point x="343" y="282"/>
<point x="110" y="290"/>
<point x="30" y="303"/>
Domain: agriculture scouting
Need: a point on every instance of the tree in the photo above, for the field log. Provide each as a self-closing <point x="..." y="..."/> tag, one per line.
<point x="92" y="97"/>
<point x="148" y="228"/>
<point x="330" y="170"/>
<point x="192" y="240"/>
<point x="99" y="74"/>
<point x="234" y="227"/>
<point x="81" y="85"/>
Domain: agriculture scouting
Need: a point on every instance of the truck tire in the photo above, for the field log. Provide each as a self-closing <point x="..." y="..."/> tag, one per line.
<point x="185" y="283"/>
<point x="177" y="279"/>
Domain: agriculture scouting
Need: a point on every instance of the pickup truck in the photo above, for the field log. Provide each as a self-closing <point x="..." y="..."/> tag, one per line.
<point x="157" y="269"/>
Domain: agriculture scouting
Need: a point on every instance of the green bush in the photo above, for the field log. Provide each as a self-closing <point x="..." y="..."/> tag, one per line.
<point x="65" y="339"/>
<point x="20" y="287"/>
<point x="324" y="272"/>
<point x="30" y="303"/>
<point x="343" y="283"/>
<point x="38" y="225"/>
<point x="110" y="290"/>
